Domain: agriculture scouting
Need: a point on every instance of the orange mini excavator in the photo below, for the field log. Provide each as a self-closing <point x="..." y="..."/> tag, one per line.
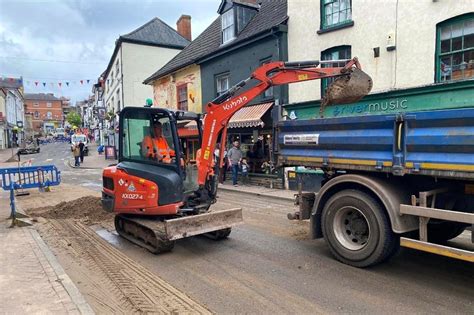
<point x="157" y="199"/>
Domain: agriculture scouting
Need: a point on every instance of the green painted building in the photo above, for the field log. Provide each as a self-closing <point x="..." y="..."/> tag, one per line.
<point x="458" y="94"/>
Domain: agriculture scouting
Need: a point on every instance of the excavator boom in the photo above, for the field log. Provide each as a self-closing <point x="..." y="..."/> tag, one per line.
<point x="350" y="85"/>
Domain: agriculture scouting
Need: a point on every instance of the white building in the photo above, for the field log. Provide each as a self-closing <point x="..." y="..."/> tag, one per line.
<point x="400" y="44"/>
<point x="13" y="112"/>
<point x="136" y="55"/>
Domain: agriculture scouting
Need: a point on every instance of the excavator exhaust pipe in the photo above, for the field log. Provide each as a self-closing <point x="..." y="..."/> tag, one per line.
<point x="348" y="88"/>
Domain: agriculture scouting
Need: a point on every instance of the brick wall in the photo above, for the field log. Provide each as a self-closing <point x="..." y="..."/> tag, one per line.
<point x="44" y="112"/>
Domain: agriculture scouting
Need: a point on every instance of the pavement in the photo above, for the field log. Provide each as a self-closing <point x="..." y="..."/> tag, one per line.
<point x="31" y="279"/>
<point x="93" y="160"/>
<point x="281" y="194"/>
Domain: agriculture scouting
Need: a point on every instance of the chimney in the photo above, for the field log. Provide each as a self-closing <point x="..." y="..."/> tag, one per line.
<point x="184" y="26"/>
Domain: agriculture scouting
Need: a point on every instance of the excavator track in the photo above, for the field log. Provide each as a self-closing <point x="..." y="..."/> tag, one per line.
<point x="158" y="236"/>
<point x="146" y="233"/>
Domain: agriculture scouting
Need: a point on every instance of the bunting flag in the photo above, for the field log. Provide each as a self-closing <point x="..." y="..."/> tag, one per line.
<point x="51" y="83"/>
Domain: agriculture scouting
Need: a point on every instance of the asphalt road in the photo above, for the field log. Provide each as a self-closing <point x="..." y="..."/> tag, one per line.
<point x="269" y="265"/>
<point x="58" y="154"/>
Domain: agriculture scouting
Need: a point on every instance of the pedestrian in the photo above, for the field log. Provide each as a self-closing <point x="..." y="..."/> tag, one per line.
<point x="76" y="152"/>
<point x="235" y="157"/>
<point x="81" y="148"/>
<point x="244" y="167"/>
<point x="37" y="141"/>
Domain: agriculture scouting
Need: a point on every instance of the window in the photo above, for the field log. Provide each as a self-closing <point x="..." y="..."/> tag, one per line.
<point x="37" y="114"/>
<point x="228" y="28"/>
<point x="36" y="104"/>
<point x="137" y="127"/>
<point x="222" y="83"/>
<point x="455" y="49"/>
<point x="48" y="104"/>
<point x="49" y="115"/>
<point x="117" y="67"/>
<point x="244" y="15"/>
<point x="335" y="53"/>
<point x="182" y="97"/>
<point x="269" y="92"/>
<point x="335" y="13"/>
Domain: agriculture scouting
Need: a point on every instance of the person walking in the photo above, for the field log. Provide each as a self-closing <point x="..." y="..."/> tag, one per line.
<point x="76" y="152"/>
<point x="81" y="148"/>
<point x="235" y="157"/>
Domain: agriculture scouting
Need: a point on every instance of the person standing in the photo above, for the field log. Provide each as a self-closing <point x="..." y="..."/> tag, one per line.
<point x="81" y="148"/>
<point x="245" y="171"/>
<point x="235" y="157"/>
<point x="76" y="152"/>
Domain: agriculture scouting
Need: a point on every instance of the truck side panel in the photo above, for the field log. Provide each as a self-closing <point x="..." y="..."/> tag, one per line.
<point x="437" y="143"/>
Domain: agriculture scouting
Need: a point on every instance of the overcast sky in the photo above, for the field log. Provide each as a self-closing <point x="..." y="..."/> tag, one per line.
<point x="63" y="41"/>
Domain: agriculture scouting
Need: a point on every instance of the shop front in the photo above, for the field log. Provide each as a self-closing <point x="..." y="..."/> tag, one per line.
<point x="252" y="127"/>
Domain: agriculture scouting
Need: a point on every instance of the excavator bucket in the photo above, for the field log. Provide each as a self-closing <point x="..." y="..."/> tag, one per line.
<point x="348" y="88"/>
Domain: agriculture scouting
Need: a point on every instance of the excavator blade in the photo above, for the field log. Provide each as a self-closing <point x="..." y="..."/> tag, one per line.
<point x="202" y="223"/>
<point x="348" y="88"/>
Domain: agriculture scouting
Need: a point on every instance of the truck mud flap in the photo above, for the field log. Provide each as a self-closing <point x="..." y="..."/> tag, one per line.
<point x="202" y="223"/>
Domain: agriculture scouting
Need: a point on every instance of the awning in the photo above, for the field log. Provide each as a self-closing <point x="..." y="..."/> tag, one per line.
<point x="250" y="116"/>
<point x="188" y="129"/>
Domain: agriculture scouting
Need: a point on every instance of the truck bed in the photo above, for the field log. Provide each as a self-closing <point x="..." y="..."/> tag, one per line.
<point x="435" y="143"/>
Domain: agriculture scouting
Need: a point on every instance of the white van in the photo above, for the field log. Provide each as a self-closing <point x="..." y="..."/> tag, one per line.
<point x="77" y="138"/>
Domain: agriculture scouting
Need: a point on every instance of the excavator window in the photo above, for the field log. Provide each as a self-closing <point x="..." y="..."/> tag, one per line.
<point x="148" y="138"/>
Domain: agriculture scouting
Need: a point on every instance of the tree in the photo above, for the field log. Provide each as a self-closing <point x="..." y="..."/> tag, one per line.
<point x="74" y="119"/>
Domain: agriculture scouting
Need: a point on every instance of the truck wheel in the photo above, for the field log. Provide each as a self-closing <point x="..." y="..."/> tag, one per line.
<point x="440" y="232"/>
<point x="357" y="229"/>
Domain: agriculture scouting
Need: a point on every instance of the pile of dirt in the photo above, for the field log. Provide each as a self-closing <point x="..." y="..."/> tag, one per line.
<point x="87" y="209"/>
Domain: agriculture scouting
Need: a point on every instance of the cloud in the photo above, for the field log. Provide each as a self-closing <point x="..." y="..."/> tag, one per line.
<point x="79" y="36"/>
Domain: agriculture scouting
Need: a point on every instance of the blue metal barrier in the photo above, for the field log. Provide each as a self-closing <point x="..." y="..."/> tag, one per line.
<point x="14" y="178"/>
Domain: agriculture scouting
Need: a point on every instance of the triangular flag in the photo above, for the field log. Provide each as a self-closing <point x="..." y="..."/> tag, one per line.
<point x="44" y="84"/>
<point x="59" y="83"/>
<point x="82" y="81"/>
<point x="52" y="84"/>
<point x="12" y="80"/>
<point x="67" y="83"/>
<point x="36" y="83"/>
<point x="88" y="81"/>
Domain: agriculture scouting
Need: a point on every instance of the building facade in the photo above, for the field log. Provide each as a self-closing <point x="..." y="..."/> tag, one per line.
<point x="13" y="114"/>
<point x="149" y="47"/>
<point x="400" y="44"/>
<point x="47" y="111"/>
<point x="246" y="34"/>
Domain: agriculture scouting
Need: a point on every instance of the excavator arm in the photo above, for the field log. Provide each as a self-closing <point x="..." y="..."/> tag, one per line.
<point x="220" y="110"/>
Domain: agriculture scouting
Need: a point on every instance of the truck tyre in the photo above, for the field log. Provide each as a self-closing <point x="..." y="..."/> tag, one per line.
<point x="357" y="229"/>
<point x="440" y="232"/>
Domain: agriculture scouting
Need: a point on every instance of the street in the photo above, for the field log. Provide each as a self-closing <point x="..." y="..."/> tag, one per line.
<point x="58" y="153"/>
<point x="269" y="264"/>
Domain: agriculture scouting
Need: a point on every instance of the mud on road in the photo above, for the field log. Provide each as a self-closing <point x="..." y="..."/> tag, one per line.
<point x="110" y="281"/>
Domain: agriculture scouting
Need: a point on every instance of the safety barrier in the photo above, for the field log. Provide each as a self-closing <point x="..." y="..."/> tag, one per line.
<point x="15" y="178"/>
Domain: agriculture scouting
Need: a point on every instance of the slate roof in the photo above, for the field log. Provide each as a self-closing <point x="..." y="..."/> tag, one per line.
<point x="156" y="32"/>
<point x="272" y="13"/>
<point x="41" y="97"/>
